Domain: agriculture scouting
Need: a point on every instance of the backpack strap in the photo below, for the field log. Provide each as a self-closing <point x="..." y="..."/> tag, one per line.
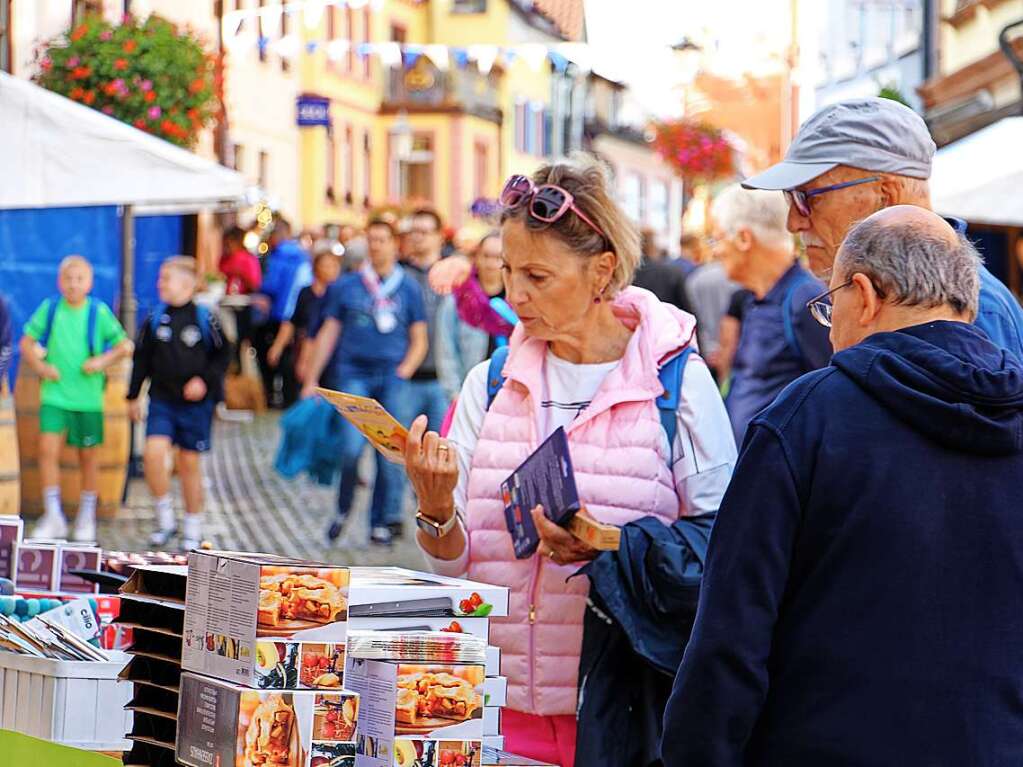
<point x="51" y="313"/>
<point x="202" y="315"/>
<point x="495" y="373"/>
<point x="786" y="316"/>
<point x="91" y="321"/>
<point x="154" y="317"/>
<point x="670" y="376"/>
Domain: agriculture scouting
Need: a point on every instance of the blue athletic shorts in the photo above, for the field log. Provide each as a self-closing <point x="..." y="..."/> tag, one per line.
<point x="188" y="424"/>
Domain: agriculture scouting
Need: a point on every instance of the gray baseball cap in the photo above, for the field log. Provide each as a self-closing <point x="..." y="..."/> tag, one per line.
<point x="873" y="134"/>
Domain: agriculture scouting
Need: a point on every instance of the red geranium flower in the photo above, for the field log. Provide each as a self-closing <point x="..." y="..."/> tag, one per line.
<point x="120" y="64"/>
<point x="80" y="73"/>
<point x="77" y="93"/>
<point x="150" y="96"/>
<point x="129" y="46"/>
<point x="90" y="96"/>
<point x="140" y="124"/>
<point x="197" y="85"/>
<point x="80" y="31"/>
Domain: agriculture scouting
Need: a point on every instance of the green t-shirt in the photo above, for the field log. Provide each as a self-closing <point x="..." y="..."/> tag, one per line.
<point x="67" y="351"/>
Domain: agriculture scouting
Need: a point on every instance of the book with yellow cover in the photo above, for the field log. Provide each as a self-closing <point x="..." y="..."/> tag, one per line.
<point x="374" y="422"/>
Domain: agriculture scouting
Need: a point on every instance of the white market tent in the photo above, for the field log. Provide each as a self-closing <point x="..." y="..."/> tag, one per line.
<point x="980" y="177"/>
<point x="55" y="152"/>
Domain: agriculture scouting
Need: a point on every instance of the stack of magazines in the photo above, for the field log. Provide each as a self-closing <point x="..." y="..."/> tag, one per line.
<point x="417" y="646"/>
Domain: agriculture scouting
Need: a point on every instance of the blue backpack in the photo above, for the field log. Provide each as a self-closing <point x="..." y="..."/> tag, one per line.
<point x="202" y="316"/>
<point x="670" y="376"/>
<point x="92" y="306"/>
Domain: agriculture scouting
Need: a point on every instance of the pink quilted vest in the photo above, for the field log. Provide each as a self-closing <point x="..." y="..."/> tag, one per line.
<point x="619" y="454"/>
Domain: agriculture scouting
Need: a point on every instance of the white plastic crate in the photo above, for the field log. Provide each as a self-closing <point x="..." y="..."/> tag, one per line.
<point x="77" y="703"/>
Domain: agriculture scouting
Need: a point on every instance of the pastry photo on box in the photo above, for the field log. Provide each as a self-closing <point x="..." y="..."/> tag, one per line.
<point x="250" y="617"/>
<point x="437" y="753"/>
<point x="225" y="724"/>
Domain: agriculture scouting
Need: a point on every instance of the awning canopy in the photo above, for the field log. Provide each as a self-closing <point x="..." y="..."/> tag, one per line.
<point x="980" y="178"/>
<point x="55" y="152"/>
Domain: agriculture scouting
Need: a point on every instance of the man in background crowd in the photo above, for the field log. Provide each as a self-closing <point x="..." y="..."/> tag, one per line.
<point x="287" y="271"/>
<point x="857" y="157"/>
<point x="709" y="292"/>
<point x="373" y="338"/>
<point x="779" y="340"/>
<point x="865" y="559"/>
<point x="425" y="393"/>
<point x="658" y="275"/>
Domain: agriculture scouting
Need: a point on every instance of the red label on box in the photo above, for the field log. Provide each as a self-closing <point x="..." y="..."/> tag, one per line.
<point x="37" y="567"/>
<point x="77" y="559"/>
<point x="10" y="532"/>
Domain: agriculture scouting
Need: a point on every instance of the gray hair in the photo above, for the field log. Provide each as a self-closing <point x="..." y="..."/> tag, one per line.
<point x="763" y="213"/>
<point x="913" y="265"/>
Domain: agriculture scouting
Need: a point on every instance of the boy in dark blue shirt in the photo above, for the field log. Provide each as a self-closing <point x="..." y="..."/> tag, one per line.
<point x="375" y="336"/>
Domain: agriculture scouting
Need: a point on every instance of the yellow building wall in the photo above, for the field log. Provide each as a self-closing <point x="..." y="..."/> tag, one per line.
<point x="521" y="81"/>
<point x="464" y="29"/>
<point x="975" y="38"/>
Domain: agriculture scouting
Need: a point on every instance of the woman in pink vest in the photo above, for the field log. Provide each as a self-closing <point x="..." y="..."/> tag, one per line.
<point x="585" y="355"/>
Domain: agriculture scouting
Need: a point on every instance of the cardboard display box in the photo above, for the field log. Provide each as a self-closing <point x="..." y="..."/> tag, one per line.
<point x="476" y="626"/>
<point x="259" y="620"/>
<point x="75" y="556"/>
<point x="495" y="691"/>
<point x="232" y="726"/>
<point x="418" y="713"/>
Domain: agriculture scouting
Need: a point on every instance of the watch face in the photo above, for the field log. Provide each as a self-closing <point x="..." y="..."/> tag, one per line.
<point x="428" y="526"/>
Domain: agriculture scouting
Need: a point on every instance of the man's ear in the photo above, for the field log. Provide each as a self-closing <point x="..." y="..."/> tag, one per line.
<point x="891" y="192"/>
<point x="870" y="301"/>
<point x="743" y="240"/>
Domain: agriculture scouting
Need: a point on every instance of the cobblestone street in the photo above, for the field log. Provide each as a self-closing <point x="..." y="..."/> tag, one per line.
<point x="249" y="507"/>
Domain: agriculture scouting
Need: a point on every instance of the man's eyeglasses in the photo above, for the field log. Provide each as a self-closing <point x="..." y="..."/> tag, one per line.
<point x="821" y="307"/>
<point x="800" y="200"/>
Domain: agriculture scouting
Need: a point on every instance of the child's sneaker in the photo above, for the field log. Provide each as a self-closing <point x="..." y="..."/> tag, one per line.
<point x="190" y="544"/>
<point x="162" y="537"/>
<point x="51" y="526"/>
<point x="84" y="530"/>
<point x="381" y="536"/>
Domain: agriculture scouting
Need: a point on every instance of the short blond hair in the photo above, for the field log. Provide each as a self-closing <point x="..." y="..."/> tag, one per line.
<point x="588" y="180"/>
<point x="184" y="264"/>
<point x="69" y="262"/>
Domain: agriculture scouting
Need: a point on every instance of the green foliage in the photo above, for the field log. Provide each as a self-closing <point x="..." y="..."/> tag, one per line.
<point x="146" y="73"/>
<point x="891" y="92"/>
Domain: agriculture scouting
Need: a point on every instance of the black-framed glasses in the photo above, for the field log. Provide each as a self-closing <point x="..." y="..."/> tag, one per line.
<point x="800" y="200"/>
<point x="821" y="307"/>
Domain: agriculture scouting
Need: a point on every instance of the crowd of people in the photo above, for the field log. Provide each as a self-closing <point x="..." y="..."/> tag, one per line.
<point x="849" y="426"/>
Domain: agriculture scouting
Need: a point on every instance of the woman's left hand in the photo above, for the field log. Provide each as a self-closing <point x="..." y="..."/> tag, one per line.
<point x="559" y="545"/>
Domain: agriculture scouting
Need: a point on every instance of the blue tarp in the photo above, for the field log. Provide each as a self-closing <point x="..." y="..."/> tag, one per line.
<point x="32" y="243"/>
<point x="34" y="240"/>
<point x="156" y="238"/>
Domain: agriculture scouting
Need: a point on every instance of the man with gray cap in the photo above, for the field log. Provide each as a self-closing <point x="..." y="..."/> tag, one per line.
<point x="852" y="159"/>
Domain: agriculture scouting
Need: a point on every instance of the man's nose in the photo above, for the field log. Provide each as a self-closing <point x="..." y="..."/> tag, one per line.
<point x="796" y="222"/>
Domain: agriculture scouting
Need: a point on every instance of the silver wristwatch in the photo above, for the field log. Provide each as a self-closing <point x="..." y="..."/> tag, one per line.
<point x="432" y="527"/>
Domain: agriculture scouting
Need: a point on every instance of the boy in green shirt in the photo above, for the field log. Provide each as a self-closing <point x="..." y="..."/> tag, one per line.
<point x="63" y="344"/>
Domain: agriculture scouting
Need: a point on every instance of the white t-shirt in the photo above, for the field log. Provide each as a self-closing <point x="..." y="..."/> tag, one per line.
<point x="704" y="452"/>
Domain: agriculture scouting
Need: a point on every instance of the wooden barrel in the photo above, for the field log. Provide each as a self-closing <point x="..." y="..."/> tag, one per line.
<point x="10" y="490"/>
<point x="113" y="453"/>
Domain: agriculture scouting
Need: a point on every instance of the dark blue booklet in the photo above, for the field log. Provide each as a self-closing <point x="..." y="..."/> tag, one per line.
<point x="546" y="479"/>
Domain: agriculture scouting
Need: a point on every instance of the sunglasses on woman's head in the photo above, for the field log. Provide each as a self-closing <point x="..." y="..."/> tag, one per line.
<point x="800" y="200"/>
<point x="547" y="203"/>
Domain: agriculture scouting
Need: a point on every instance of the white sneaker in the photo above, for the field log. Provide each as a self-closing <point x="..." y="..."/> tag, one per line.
<point x="190" y="544"/>
<point x="51" y="526"/>
<point x="84" y="530"/>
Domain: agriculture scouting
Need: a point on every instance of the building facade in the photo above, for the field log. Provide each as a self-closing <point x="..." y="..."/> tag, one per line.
<point x="976" y="84"/>
<point x="866" y="46"/>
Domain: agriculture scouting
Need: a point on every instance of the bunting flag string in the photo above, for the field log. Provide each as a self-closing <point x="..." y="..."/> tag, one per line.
<point x="241" y="31"/>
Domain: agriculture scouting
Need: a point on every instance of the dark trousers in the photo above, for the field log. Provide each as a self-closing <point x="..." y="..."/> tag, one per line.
<point x="279" y="382"/>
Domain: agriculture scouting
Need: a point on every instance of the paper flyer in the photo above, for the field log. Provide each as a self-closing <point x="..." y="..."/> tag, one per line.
<point x="545" y="478"/>
<point x="368" y="416"/>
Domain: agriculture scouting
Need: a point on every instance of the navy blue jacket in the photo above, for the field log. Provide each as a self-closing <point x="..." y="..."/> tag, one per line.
<point x="863" y="598"/>
<point x="6" y="339"/>
<point x="779" y="341"/>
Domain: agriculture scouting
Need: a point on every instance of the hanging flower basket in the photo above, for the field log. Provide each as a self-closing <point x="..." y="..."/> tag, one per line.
<point x="697" y="152"/>
<point x="146" y="73"/>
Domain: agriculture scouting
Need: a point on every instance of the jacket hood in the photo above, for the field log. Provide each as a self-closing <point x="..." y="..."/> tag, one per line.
<point x="947" y="381"/>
